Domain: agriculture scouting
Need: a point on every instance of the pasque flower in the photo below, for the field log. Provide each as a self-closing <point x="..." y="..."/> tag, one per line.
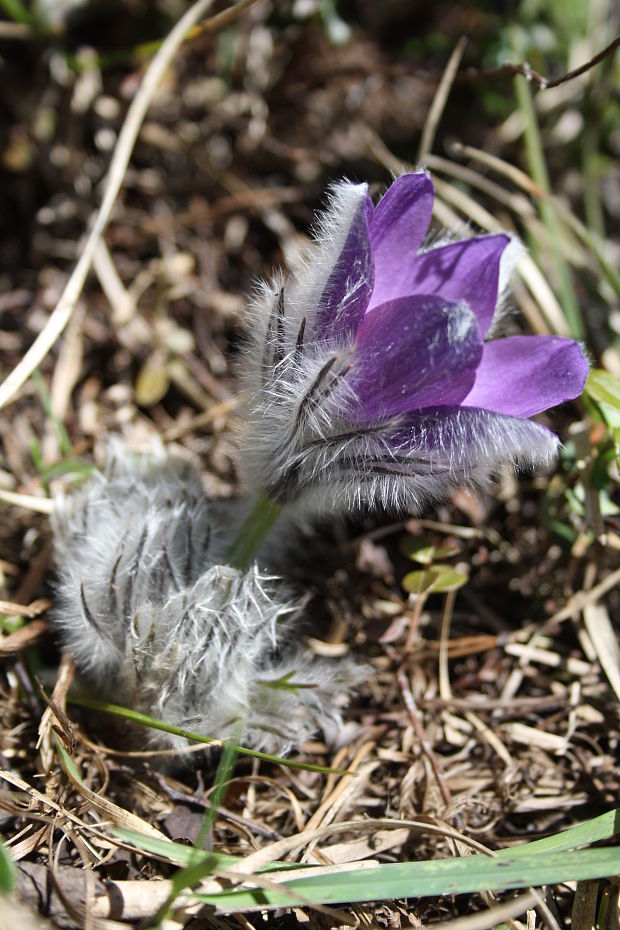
<point x="370" y="382"/>
<point x="369" y="376"/>
<point x="155" y="619"/>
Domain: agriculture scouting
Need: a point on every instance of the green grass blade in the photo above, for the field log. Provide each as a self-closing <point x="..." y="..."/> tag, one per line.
<point x="183" y="855"/>
<point x="7" y="871"/>
<point x="18" y="12"/>
<point x="64" y="443"/>
<point x="605" y="827"/>
<point x="426" y="879"/>
<point x="249" y="538"/>
<point x="538" y="170"/>
<point x="224" y="771"/>
<point x="144" y="720"/>
<point x="178" y="853"/>
<point x="66" y="467"/>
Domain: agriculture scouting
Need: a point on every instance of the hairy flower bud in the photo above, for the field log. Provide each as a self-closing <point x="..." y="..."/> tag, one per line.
<point x="153" y="618"/>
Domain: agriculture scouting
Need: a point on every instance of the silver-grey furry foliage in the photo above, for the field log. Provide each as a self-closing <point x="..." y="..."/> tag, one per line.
<point x="158" y="623"/>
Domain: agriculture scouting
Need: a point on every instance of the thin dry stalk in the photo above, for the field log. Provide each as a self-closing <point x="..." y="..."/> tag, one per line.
<point x="118" y="167"/>
<point x="439" y="100"/>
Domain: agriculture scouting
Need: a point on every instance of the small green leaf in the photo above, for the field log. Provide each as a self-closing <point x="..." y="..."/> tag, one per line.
<point x="607" y="506"/>
<point x="68" y="762"/>
<point x="425" y="555"/>
<point x="438" y="579"/>
<point x="419" y="582"/>
<point x="7" y="870"/>
<point x="448" y="549"/>
<point x="610" y="414"/>
<point x="448" y="578"/>
<point x="285" y="683"/>
<point x="418" y="549"/>
<point x="153" y="381"/>
<point x="421" y="549"/>
<point x="604" y="388"/>
<point x="11" y="624"/>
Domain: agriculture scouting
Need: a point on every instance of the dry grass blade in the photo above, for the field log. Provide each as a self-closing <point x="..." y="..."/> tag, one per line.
<point x="280" y="848"/>
<point x="532" y="76"/>
<point x="318" y="817"/>
<point x="19" y="31"/>
<point x="30" y="611"/>
<point x="108" y="808"/>
<point x="582" y="599"/>
<point x="494" y="916"/>
<point x="515" y="202"/>
<point x="499" y="165"/>
<point x="47" y="804"/>
<point x="55" y="711"/>
<point x="28" y="502"/>
<point x="605" y="642"/>
<point x="440" y="99"/>
<point x="120" y="160"/>
<point x="28" y="635"/>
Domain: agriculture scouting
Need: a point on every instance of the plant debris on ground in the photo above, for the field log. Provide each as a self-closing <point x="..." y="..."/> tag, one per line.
<point x="489" y="717"/>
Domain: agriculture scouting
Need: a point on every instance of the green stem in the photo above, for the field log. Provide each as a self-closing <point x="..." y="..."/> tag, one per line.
<point x="144" y="720"/>
<point x="18" y="12"/>
<point x="538" y="170"/>
<point x="249" y="538"/>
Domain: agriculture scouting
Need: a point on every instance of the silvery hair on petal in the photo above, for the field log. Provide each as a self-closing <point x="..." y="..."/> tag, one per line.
<point x="157" y="623"/>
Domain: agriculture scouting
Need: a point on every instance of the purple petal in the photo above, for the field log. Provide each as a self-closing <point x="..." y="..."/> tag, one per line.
<point x="397" y="231"/>
<point x="454" y="445"/>
<point x="523" y="375"/>
<point x="347" y="260"/>
<point x="464" y="271"/>
<point x="412" y="353"/>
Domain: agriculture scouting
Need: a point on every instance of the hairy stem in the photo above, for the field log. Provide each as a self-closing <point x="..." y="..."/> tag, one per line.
<point x="249" y="538"/>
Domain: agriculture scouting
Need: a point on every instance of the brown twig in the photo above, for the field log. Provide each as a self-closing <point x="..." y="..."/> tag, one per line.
<point x="425" y="745"/>
<point x="477" y="74"/>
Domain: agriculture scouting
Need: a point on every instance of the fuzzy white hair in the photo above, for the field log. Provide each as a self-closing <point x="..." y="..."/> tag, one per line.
<point x="220" y="659"/>
<point x="157" y="623"/>
<point x="300" y="446"/>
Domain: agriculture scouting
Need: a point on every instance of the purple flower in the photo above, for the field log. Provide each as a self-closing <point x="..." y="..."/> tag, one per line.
<point x="369" y="375"/>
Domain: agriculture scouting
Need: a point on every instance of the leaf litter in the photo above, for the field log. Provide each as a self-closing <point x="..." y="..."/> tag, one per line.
<point x="490" y="717"/>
